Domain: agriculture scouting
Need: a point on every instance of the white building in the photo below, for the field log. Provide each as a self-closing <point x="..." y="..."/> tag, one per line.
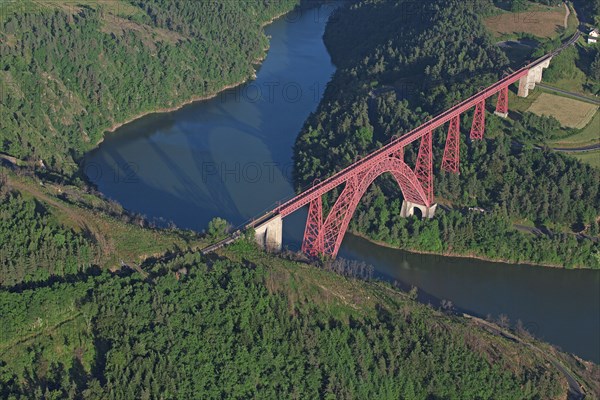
<point x="593" y="36"/>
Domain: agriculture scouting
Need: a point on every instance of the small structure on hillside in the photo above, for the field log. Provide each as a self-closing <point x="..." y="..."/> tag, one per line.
<point x="593" y="36"/>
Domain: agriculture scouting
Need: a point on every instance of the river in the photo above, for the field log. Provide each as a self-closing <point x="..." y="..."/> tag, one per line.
<point x="231" y="156"/>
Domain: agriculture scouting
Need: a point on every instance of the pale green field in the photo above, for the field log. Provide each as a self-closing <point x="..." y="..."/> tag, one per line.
<point x="592" y="158"/>
<point x="588" y="136"/>
<point x="570" y="113"/>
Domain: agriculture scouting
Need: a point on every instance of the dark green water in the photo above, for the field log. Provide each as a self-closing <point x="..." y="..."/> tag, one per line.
<point x="231" y="156"/>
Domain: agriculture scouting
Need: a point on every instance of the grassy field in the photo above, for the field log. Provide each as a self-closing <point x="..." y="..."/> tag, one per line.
<point x="522" y="104"/>
<point x="591" y="157"/>
<point x="588" y="136"/>
<point x="538" y="20"/>
<point x="570" y="113"/>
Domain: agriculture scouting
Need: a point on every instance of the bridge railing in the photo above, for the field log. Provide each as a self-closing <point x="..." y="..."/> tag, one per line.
<point x="305" y="197"/>
<point x="296" y="202"/>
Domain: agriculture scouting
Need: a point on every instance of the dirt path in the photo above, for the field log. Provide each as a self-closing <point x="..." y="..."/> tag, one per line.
<point x="84" y="223"/>
<point x="6" y="347"/>
<point x="567" y="13"/>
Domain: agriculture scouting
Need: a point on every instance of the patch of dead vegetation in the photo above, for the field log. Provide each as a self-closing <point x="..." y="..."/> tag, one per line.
<point x="150" y="36"/>
<point x="545" y="23"/>
<point x="63" y="101"/>
<point x="8" y="84"/>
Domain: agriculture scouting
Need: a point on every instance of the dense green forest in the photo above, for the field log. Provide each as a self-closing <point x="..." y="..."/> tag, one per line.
<point x="96" y="305"/>
<point x="251" y="326"/>
<point x="391" y="77"/>
<point x="35" y="246"/>
<point x="52" y="231"/>
<point x="591" y="8"/>
<point x="70" y="70"/>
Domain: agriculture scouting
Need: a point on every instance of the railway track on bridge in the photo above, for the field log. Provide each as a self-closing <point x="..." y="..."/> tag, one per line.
<point x="338" y="178"/>
<point x="393" y="147"/>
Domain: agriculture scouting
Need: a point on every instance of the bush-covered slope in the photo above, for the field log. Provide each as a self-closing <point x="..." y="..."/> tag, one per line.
<point x="399" y="64"/>
<point x="248" y="325"/>
<point x="52" y="232"/>
<point x="70" y="70"/>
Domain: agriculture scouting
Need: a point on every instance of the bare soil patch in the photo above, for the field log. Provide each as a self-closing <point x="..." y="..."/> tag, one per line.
<point x="545" y="23"/>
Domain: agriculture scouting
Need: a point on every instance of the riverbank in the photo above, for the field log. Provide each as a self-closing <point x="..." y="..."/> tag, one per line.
<point x="457" y="255"/>
<point x="256" y="63"/>
<point x="179" y="106"/>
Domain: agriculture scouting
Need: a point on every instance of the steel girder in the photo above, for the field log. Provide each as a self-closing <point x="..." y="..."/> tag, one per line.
<point x="424" y="167"/>
<point x="328" y="239"/>
<point x="478" y="127"/>
<point x="451" y="160"/>
<point x="312" y="243"/>
<point x="502" y="104"/>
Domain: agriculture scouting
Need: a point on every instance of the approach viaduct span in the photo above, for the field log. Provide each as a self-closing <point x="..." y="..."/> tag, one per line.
<point x="324" y="234"/>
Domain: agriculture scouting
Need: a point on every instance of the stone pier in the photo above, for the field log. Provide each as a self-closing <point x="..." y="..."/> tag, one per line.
<point x="534" y="75"/>
<point x="269" y="234"/>
<point x="408" y="209"/>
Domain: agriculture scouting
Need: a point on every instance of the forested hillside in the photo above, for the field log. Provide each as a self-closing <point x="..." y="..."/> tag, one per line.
<point x="69" y="71"/>
<point x="253" y="326"/>
<point x="57" y="232"/>
<point x="34" y="247"/>
<point x="96" y="304"/>
<point x="72" y="69"/>
<point x="396" y="73"/>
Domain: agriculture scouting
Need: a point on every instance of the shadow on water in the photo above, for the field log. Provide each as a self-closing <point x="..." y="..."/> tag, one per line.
<point x="197" y="163"/>
<point x="230" y="156"/>
<point x="557" y="305"/>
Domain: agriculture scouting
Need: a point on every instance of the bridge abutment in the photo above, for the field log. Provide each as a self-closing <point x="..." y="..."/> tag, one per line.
<point x="534" y="75"/>
<point x="408" y="209"/>
<point x="269" y="234"/>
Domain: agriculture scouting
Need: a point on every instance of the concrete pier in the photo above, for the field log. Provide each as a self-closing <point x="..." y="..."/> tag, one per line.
<point x="408" y="209"/>
<point x="534" y="75"/>
<point x="269" y="234"/>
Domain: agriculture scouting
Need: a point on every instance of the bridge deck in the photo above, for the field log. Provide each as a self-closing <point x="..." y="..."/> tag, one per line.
<point x="340" y="177"/>
<point x="323" y="187"/>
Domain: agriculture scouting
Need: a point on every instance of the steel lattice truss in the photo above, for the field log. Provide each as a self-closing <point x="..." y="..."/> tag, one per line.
<point x="323" y="235"/>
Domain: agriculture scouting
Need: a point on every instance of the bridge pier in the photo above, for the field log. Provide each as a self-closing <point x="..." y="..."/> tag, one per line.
<point x="408" y="209"/>
<point x="269" y="234"/>
<point x="534" y="75"/>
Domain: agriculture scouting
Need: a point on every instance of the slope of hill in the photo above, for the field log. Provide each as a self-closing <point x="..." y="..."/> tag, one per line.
<point x="71" y="70"/>
<point x="399" y="64"/>
<point x="248" y="325"/>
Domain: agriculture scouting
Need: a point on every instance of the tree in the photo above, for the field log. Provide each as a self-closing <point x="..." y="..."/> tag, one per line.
<point x="595" y="67"/>
<point x="518" y="5"/>
<point x="218" y="227"/>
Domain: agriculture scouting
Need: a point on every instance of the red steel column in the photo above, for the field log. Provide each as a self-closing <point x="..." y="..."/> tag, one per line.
<point x="312" y="243"/>
<point x="424" y="167"/>
<point x="502" y="104"/>
<point x="478" y="127"/>
<point x="451" y="158"/>
<point x="399" y="153"/>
